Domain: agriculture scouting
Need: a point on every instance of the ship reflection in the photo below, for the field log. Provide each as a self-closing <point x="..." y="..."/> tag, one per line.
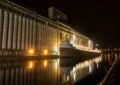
<point x="72" y="70"/>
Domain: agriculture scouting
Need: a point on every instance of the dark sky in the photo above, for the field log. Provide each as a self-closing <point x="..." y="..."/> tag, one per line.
<point x="98" y="19"/>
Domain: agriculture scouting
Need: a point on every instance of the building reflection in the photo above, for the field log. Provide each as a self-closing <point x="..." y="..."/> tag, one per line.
<point x="46" y="72"/>
<point x="42" y="72"/>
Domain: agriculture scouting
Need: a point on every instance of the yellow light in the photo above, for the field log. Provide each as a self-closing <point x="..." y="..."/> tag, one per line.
<point x="45" y="52"/>
<point x="31" y="52"/>
<point x="30" y="65"/>
<point x="45" y="63"/>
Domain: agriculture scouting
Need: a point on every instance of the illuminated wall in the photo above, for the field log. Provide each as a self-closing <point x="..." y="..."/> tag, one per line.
<point x="22" y="29"/>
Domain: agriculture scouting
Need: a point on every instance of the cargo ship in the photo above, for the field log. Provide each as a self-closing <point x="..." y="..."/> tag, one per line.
<point x="67" y="50"/>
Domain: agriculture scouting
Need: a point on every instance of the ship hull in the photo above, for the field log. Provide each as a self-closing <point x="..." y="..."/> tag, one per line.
<point x="75" y="53"/>
<point x="67" y="52"/>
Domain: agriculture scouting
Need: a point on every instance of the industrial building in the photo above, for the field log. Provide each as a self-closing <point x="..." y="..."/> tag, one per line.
<point x="23" y="32"/>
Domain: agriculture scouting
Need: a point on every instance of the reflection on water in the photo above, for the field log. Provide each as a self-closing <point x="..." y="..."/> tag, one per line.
<point x="45" y="72"/>
<point x="30" y="64"/>
<point x="42" y="72"/>
<point x="79" y="70"/>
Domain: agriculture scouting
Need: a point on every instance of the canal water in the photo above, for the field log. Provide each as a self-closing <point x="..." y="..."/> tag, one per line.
<point x="52" y="72"/>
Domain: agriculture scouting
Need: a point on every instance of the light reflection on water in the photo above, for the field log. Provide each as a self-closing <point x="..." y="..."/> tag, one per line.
<point x="41" y="72"/>
<point x="45" y="72"/>
<point x="79" y="70"/>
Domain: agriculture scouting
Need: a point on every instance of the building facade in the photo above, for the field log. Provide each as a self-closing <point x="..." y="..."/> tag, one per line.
<point x="22" y="30"/>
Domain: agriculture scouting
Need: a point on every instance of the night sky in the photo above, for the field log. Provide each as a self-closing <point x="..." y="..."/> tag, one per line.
<point x="97" y="19"/>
